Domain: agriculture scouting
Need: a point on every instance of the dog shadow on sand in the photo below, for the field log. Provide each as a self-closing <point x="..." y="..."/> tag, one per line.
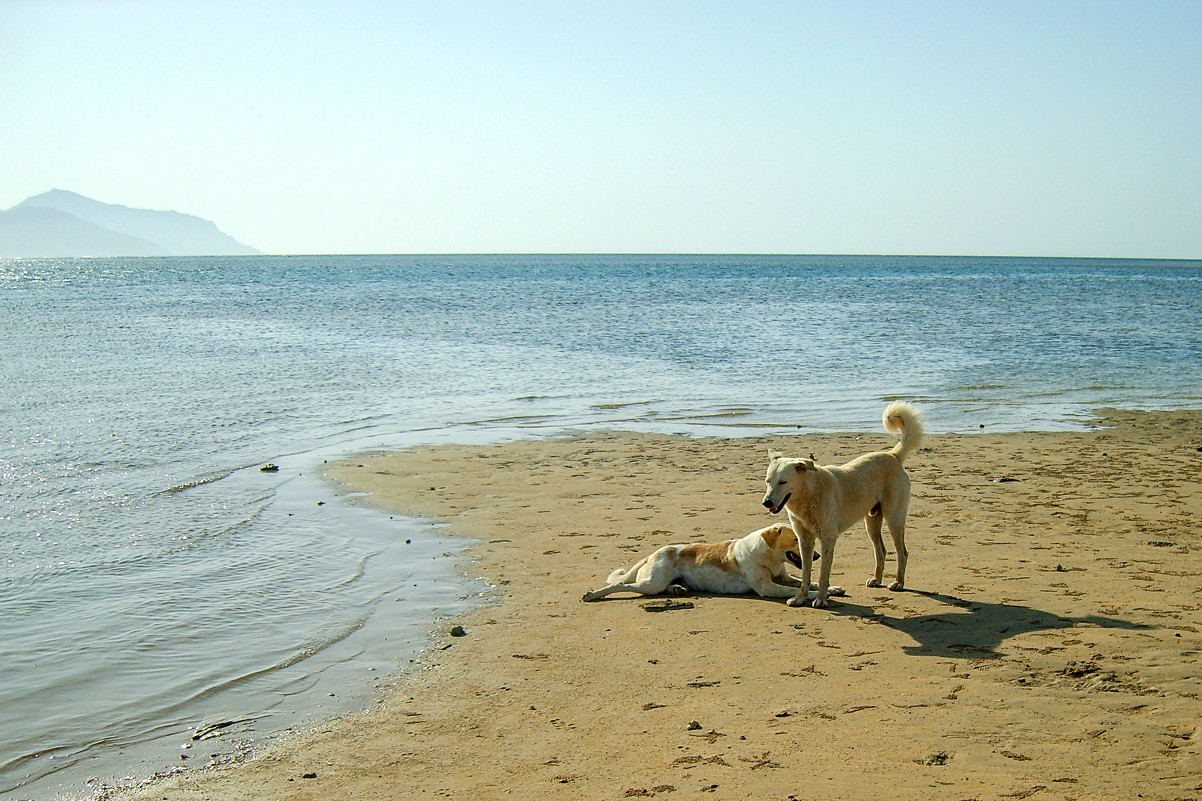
<point x="974" y="629"/>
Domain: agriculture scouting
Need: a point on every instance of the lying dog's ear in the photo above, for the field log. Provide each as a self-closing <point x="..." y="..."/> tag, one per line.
<point x="805" y="464"/>
<point x="772" y="534"/>
<point x="774" y="455"/>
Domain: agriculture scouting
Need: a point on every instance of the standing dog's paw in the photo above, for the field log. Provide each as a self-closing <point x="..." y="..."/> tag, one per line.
<point x="820" y="603"/>
<point x="872" y="582"/>
<point x="897" y="585"/>
<point x="796" y="601"/>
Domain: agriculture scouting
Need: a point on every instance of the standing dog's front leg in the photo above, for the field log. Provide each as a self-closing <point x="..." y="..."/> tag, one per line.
<point x="806" y="542"/>
<point x="824" y="570"/>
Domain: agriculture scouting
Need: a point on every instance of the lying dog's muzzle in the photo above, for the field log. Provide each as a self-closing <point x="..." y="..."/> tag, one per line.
<point x="794" y="558"/>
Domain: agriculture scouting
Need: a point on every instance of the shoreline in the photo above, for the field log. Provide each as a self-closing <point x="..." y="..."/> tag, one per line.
<point x="335" y="673"/>
<point x="1047" y="642"/>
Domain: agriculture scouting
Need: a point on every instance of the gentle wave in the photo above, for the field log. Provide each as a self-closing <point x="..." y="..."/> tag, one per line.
<point x="200" y="482"/>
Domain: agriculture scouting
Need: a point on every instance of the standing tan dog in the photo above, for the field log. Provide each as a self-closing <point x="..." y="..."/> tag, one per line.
<point x="824" y="501"/>
<point x="755" y="563"/>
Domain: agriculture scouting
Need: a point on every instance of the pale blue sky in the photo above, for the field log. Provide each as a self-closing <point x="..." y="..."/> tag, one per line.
<point x="1017" y="128"/>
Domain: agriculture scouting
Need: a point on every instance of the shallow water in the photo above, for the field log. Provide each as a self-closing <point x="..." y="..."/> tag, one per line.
<point x="156" y="580"/>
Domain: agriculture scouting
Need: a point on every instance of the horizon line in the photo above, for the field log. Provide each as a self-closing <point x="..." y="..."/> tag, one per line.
<point x="729" y="254"/>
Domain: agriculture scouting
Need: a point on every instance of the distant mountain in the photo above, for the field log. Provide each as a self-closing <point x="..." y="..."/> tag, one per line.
<point x="59" y="223"/>
<point x="34" y="231"/>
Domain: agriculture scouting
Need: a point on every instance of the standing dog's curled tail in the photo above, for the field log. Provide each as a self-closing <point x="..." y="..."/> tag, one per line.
<point x="902" y="419"/>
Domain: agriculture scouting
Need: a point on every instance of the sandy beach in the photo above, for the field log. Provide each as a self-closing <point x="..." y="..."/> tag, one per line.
<point x="1047" y="645"/>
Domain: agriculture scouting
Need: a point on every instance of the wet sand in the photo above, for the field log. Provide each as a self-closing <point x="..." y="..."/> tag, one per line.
<point x="1048" y="644"/>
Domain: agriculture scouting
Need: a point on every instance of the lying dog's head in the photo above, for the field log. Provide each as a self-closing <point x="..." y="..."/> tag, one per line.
<point x="781" y="540"/>
<point x="785" y="478"/>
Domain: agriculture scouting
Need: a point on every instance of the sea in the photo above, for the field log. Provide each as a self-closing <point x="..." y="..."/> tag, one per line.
<point x="165" y="602"/>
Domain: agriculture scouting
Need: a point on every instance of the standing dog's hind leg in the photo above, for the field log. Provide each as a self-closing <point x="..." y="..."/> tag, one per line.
<point x="872" y="523"/>
<point x="897" y="528"/>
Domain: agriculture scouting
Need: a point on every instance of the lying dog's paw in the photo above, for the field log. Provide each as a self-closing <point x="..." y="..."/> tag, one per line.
<point x="835" y="589"/>
<point x="676" y="589"/>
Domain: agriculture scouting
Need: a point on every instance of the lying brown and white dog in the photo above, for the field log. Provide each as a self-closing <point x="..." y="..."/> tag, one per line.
<point x="755" y="563"/>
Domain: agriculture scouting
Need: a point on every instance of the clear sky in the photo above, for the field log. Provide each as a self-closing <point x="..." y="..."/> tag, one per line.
<point x="1054" y="127"/>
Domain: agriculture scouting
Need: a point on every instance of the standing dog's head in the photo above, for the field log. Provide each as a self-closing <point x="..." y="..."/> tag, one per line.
<point x="782" y="542"/>
<point x="785" y="478"/>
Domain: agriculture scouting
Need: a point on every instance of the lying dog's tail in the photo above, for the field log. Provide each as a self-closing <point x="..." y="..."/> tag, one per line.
<point x="625" y="575"/>
<point x="902" y="419"/>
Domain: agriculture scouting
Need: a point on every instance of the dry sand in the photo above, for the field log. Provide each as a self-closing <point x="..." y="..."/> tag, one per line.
<point x="1047" y="645"/>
